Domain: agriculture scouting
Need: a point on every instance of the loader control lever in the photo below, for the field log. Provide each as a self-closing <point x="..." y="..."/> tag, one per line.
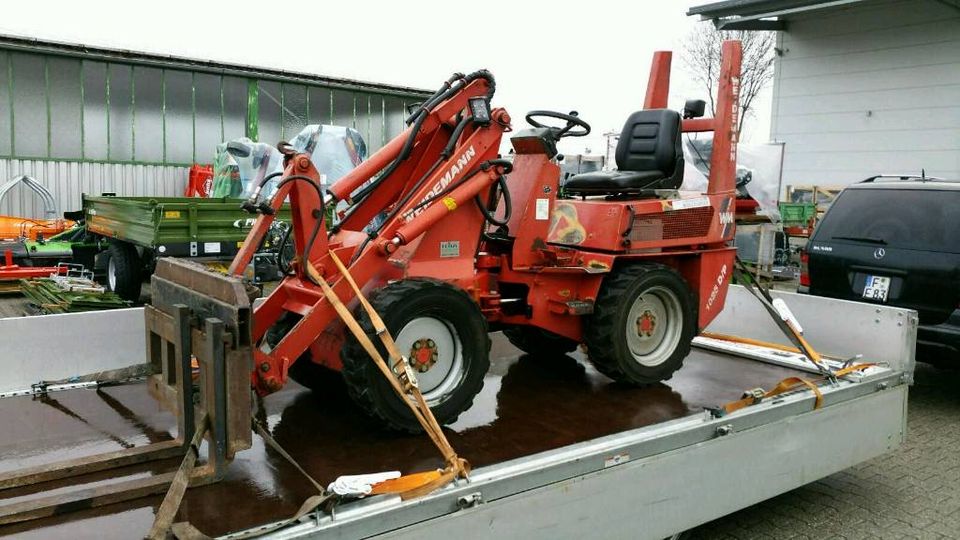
<point x="573" y="120"/>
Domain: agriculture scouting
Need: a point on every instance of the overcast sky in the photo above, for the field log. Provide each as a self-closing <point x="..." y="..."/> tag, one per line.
<point x="591" y="56"/>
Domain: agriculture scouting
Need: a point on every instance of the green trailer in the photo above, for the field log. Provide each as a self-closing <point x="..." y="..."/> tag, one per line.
<point x="137" y="230"/>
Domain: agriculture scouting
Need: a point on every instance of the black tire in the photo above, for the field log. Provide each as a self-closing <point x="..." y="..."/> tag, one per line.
<point x="304" y="371"/>
<point x="124" y="271"/>
<point x="418" y="306"/>
<point x="655" y="351"/>
<point x="539" y="342"/>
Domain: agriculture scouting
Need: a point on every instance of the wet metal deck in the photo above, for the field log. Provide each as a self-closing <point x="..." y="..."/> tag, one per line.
<point x="527" y="405"/>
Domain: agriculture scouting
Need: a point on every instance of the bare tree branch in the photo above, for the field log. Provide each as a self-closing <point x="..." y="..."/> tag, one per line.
<point x="701" y="57"/>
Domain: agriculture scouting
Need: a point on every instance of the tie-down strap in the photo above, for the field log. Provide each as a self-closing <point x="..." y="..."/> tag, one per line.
<point x="400" y="376"/>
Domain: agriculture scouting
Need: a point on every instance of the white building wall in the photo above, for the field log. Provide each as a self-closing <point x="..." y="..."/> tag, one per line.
<point x="869" y="89"/>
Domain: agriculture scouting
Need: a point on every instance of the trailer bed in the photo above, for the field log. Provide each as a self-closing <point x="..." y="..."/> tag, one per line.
<point x="557" y="449"/>
<point x="528" y="405"/>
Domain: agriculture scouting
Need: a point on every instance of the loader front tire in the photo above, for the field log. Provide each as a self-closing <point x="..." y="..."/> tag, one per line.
<point x="443" y="334"/>
<point x="643" y="322"/>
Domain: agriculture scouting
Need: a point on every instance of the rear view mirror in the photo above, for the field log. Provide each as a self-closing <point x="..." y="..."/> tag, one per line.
<point x="694" y="108"/>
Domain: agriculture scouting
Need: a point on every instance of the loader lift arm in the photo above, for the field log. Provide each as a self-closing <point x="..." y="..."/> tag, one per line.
<point x="445" y="158"/>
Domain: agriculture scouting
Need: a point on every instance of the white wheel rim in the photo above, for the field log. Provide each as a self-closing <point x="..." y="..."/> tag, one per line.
<point x="445" y="375"/>
<point x="112" y="274"/>
<point x="654" y="325"/>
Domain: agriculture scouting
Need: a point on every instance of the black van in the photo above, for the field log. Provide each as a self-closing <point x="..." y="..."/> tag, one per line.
<point x="896" y="241"/>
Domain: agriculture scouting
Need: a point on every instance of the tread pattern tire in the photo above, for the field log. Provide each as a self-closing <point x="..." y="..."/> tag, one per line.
<point x="538" y="342"/>
<point x="304" y="371"/>
<point x="127" y="270"/>
<point x="397" y="303"/>
<point x="604" y="332"/>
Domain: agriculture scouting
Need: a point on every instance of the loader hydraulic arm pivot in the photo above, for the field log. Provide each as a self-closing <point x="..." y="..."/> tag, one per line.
<point x="447" y="156"/>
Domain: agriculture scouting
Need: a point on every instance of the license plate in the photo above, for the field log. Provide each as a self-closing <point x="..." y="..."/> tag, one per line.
<point x="877" y="288"/>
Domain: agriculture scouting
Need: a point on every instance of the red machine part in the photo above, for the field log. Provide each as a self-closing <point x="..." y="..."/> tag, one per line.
<point x="11" y="272"/>
<point x="199" y="181"/>
<point x="551" y="258"/>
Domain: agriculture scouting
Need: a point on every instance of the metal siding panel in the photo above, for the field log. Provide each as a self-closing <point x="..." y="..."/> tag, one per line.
<point x="940" y="52"/>
<point x="343" y="108"/>
<point x="395" y="116"/>
<point x="148" y="114"/>
<point x="121" y="112"/>
<point x="129" y="119"/>
<point x="875" y="16"/>
<point x="30" y="105"/>
<point x="4" y="105"/>
<point x="910" y="77"/>
<point x="896" y="99"/>
<point x="269" y="108"/>
<point x="67" y="180"/>
<point x="179" y="116"/>
<point x="66" y="115"/>
<point x="234" y="108"/>
<point x="377" y="119"/>
<point x="207" y="88"/>
<point x="885" y="120"/>
<point x="320" y="106"/>
<point x="294" y="113"/>
<point x="94" y="110"/>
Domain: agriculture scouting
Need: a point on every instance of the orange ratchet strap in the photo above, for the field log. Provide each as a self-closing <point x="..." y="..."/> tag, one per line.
<point x="403" y="381"/>
<point x="752" y="397"/>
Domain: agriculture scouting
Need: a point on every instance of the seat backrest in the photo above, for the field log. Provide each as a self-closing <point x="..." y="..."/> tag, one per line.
<point x="650" y="141"/>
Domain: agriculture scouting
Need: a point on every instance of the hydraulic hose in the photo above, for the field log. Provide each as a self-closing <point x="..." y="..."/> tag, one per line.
<point x="506" y="164"/>
<point x="455" y="136"/>
<point x="281" y="263"/>
<point x="316" y="227"/>
<point x="489" y="213"/>
<point x="450" y="87"/>
<point x="373" y="233"/>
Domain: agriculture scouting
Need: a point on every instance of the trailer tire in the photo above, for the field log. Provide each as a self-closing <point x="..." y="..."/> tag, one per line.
<point x="429" y="315"/>
<point x="124" y="271"/>
<point x="539" y="342"/>
<point x="643" y="322"/>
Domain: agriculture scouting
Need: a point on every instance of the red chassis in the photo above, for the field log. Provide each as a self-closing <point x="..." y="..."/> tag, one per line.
<point x="544" y="269"/>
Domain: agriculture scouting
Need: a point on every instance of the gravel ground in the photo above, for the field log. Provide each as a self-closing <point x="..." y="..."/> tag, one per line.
<point x="911" y="493"/>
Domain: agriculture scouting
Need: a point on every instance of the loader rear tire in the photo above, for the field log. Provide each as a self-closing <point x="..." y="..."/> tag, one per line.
<point x="421" y="314"/>
<point x="643" y="321"/>
<point x="124" y="271"/>
<point x="539" y="342"/>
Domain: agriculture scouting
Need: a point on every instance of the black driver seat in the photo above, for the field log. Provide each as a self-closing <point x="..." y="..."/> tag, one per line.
<point x="648" y="155"/>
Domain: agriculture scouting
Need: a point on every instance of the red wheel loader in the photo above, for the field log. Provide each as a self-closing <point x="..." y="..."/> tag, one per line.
<point x="449" y="241"/>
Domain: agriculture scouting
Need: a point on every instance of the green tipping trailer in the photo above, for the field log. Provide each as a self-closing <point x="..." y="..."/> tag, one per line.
<point x="138" y="229"/>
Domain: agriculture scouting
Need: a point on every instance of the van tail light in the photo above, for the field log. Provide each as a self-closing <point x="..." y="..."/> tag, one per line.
<point x="804" y="268"/>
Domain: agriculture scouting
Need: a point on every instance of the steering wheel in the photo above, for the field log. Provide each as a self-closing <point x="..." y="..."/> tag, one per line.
<point x="567" y="131"/>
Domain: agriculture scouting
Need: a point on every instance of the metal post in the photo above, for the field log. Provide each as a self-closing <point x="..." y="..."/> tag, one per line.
<point x="253" y="110"/>
<point x="181" y="327"/>
<point x="216" y="358"/>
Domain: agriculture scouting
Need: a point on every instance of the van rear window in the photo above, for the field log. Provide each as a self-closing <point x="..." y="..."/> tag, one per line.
<point x="919" y="219"/>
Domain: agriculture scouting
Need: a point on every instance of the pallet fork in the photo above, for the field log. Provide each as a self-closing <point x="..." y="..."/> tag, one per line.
<point x="207" y="321"/>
